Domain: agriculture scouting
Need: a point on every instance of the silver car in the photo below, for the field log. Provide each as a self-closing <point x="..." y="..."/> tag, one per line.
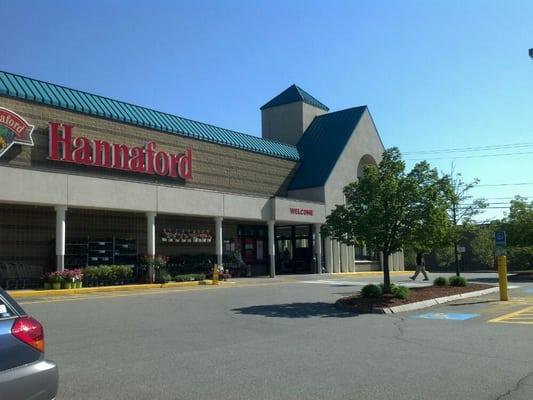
<point x="24" y="373"/>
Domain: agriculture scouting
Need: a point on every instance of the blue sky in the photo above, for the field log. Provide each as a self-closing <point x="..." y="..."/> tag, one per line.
<point x="435" y="74"/>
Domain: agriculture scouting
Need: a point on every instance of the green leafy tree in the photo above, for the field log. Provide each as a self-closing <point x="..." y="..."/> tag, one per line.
<point x="519" y="223"/>
<point x="388" y="208"/>
<point x="483" y="246"/>
<point x="462" y="210"/>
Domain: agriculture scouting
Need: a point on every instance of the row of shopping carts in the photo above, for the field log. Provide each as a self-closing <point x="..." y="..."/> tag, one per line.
<point x="18" y="275"/>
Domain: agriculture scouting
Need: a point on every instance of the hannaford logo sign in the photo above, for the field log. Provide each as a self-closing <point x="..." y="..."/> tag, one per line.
<point x="301" y="211"/>
<point x="100" y="153"/>
<point x="13" y="129"/>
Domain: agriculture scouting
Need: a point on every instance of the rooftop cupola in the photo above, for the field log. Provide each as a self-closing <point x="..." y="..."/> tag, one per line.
<point x="286" y="117"/>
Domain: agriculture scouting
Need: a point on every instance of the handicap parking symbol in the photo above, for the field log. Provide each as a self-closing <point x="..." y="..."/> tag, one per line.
<point x="447" y="316"/>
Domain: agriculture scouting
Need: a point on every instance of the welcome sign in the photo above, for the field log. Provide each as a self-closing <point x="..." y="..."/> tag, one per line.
<point x="13" y="130"/>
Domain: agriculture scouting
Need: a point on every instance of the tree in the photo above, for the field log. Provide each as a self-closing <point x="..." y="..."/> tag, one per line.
<point x="483" y="246"/>
<point x="388" y="208"/>
<point x="519" y="222"/>
<point x="462" y="210"/>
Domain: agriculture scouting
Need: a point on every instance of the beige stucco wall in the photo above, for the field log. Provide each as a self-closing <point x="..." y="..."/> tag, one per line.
<point x="310" y="194"/>
<point x="364" y="140"/>
<point x="288" y="122"/>
<point x="51" y="188"/>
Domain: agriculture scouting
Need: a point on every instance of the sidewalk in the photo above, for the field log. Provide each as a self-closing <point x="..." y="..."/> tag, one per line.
<point x="236" y="281"/>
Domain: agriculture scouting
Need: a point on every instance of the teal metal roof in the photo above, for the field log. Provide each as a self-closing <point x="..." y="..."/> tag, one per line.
<point x="46" y="93"/>
<point x="294" y="94"/>
<point x="322" y="144"/>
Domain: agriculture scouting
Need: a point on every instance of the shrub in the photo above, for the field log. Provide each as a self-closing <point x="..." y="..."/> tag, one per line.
<point x="189" y="277"/>
<point x="401" y="292"/>
<point x="382" y="286"/>
<point x="164" y="277"/>
<point x="457" y="281"/>
<point x="440" y="281"/>
<point x="371" y="291"/>
<point x="91" y="273"/>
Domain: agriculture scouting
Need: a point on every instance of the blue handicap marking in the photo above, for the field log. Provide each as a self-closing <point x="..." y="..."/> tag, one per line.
<point x="530" y="290"/>
<point x="453" y="316"/>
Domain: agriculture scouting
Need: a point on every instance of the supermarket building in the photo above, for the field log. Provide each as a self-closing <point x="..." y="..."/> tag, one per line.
<point x="88" y="180"/>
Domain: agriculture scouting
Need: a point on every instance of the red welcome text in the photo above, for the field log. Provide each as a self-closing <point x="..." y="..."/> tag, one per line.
<point x="301" y="211"/>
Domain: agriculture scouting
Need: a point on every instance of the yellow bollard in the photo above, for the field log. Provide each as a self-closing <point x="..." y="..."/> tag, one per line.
<point x="502" y="274"/>
<point x="216" y="273"/>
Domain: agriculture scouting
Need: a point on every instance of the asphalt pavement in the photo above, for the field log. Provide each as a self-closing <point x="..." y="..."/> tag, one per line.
<point x="284" y="339"/>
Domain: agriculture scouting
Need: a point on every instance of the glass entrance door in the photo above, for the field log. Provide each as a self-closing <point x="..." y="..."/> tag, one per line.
<point x="294" y="249"/>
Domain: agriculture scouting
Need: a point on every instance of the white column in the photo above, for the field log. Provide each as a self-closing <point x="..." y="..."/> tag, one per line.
<point x="150" y="241"/>
<point x="150" y="233"/>
<point x="318" y="248"/>
<point x="351" y="259"/>
<point x="272" y="248"/>
<point x="336" y="255"/>
<point x="61" y="212"/>
<point x="218" y="236"/>
<point x="344" y="260"/>
<point x="327" y="254"/>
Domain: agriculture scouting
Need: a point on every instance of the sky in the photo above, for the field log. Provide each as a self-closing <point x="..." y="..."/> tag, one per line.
<point x="436" y="75"/>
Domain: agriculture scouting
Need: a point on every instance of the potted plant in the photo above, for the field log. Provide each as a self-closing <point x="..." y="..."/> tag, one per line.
<point x="77" y="278"/>
<point x="151" y="265"/>
<point x="67" y="281"/>
<point x="47" y="285"/>
<point x="56" y="278"/>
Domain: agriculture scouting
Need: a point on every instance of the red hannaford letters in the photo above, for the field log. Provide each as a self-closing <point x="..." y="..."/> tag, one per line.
<point x="100" y="153"/>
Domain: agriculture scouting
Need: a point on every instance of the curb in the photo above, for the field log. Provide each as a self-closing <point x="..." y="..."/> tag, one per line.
<point x="100" y="289"/>
<point x="423" y="304"/>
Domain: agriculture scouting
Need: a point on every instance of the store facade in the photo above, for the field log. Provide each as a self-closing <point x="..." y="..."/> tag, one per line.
<point x="88" y="180"/>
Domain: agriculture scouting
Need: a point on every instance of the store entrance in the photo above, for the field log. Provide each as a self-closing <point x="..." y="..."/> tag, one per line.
<point x="294" y="249"/>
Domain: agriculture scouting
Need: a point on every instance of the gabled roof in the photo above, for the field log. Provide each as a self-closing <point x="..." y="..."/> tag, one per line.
<point x="322" y="144"/>
<point x="294" y="94"/>
<point x="20" y="87"/>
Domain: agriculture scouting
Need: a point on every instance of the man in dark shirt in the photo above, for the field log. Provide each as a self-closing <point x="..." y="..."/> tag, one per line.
<point x="420" y="267"/>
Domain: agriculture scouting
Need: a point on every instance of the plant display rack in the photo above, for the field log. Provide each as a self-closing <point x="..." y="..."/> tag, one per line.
<point x="89" y="251"/>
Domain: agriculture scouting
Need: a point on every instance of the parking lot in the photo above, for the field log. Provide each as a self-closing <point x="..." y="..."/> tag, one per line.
<point x="283" y="339"/>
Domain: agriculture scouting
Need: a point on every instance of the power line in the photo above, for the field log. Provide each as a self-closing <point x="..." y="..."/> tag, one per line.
<point x="503" y="198"/>
<point x="473" y="148"/>
<point x="506" y="184"/>
<point x="471" y="156"/>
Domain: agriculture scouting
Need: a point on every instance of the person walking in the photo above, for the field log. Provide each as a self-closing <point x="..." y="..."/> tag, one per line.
<point x="420" y="267"/>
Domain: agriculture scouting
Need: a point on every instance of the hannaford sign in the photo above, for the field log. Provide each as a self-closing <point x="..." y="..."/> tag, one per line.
<point x="301" y="211"/>
<point x="100" y="153"/>
<point x="13" y="129"/>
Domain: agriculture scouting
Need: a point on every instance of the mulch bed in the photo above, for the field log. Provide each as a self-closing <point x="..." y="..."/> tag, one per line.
<point x="417" y="294"/>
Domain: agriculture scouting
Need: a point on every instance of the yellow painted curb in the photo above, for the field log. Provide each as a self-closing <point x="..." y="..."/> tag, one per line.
<point x="98" y="289"/>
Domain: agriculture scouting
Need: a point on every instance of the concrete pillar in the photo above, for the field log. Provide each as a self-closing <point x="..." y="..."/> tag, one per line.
<point x="272" y="248"/>
<point x="150" y="240"/>
<point x="218" y="240"/>
<point x="351" y="258"/>
<point x="318" y="248"/>
<point x="336" y="256"/>
<point x="150" y="233"/>
<point x="61" y="212"/>
<point x="343" y="257"/>
<point x="327" y="255"/>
